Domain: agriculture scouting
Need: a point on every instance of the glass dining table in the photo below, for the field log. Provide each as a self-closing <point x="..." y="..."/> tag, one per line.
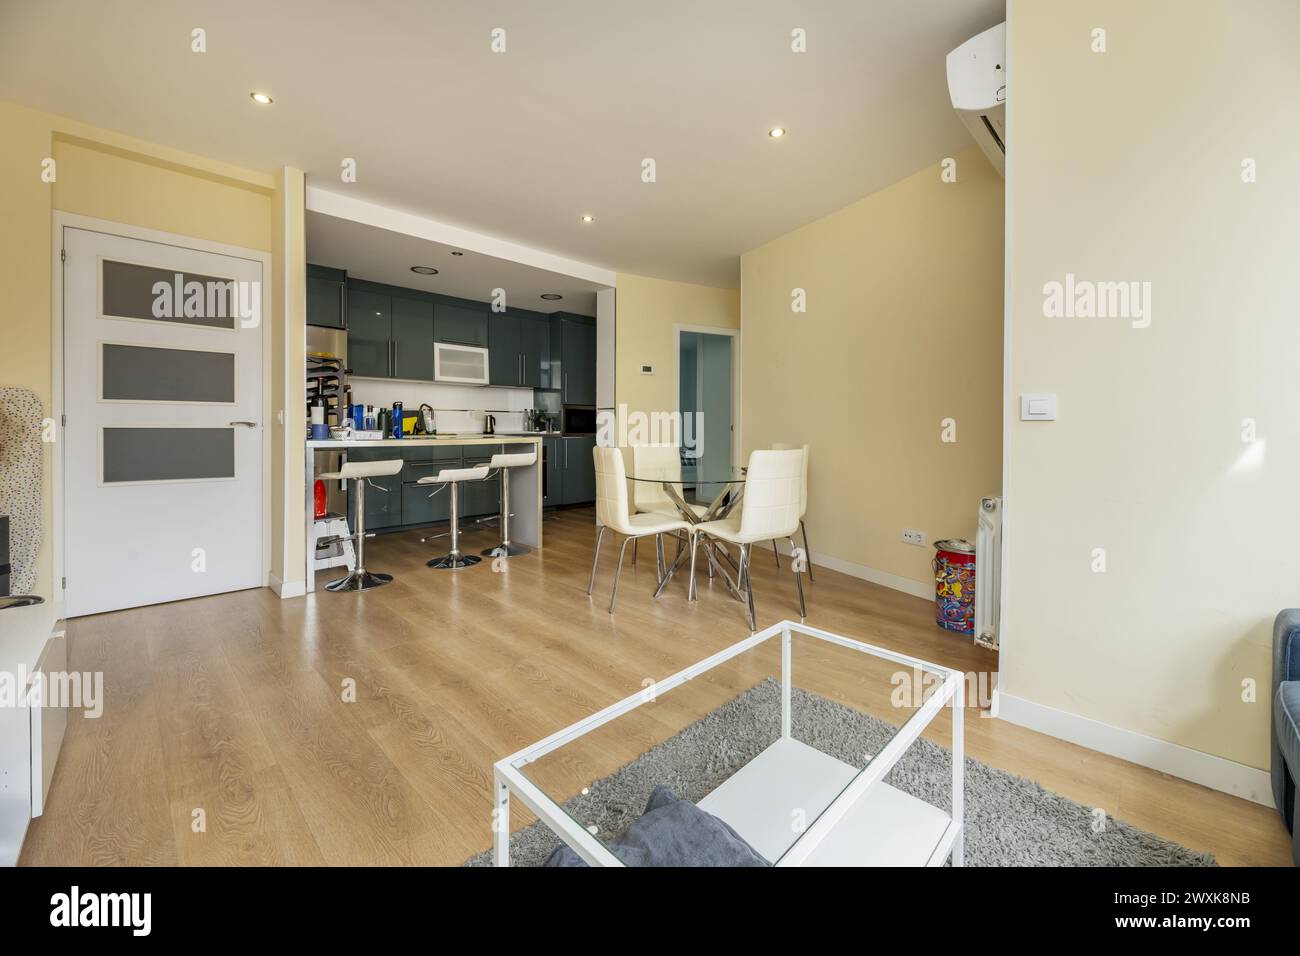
<point x="711" y="496"/>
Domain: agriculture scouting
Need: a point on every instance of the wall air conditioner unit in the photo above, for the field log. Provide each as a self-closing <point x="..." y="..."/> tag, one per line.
<point x="977" y="84"/>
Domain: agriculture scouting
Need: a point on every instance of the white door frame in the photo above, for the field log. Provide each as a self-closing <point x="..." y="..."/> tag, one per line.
<point x="64" y="220"/>
<point x="734" y="335"/>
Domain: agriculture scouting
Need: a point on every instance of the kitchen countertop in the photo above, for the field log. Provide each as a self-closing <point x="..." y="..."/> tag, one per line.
<point x="498" y="439"/>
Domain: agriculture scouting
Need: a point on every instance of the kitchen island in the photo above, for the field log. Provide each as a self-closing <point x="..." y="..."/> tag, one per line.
<point x="424" y="456"/>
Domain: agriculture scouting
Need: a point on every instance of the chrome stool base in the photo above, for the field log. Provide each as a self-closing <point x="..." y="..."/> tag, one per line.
<point x="361" y="580"/>
<point x="454" y="562"/>
<point x="511" y="550"/>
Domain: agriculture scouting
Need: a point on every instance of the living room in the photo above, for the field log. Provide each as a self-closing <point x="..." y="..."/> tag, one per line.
<point x="1030" y="353"/>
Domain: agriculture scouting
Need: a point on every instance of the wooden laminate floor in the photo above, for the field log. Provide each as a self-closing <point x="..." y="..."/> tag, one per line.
<point x="226" y="738"/>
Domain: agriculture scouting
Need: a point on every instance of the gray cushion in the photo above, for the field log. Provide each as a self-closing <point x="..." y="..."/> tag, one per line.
<point x="673" y="832"/>
<point x="1286" y="723"/>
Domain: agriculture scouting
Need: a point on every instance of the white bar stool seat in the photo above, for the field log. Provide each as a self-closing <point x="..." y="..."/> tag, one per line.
<point x="360" y="579"/>
<point x="453" y="560"/>
<point x="503" y="463"/>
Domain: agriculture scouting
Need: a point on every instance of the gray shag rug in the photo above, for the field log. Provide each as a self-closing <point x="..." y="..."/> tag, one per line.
<point x="1010" y="820"/>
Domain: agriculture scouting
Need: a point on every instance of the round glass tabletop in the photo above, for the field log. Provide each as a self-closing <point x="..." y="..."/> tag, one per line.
<point x="710" y="476"/>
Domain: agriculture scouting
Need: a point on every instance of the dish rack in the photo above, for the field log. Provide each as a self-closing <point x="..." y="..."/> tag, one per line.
<point x="326" y="384"/>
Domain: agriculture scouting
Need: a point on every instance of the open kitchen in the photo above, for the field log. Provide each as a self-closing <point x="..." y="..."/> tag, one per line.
<point x="447" y="391"/>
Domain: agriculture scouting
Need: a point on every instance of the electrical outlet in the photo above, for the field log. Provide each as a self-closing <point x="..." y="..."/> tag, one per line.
<point x="912" y="536"/>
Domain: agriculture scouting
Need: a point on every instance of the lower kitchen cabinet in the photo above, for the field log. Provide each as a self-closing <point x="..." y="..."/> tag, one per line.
<point x="579" y="469"/>
<point x="552" y="472"/>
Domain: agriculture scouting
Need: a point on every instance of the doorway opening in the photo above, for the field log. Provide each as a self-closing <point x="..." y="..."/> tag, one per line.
<point x="706" y="396"/>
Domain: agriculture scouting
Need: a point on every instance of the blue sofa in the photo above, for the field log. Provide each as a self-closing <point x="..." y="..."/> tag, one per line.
<point x="1286" y="722"/>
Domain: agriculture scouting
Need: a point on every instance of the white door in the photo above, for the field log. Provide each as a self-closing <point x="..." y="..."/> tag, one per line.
<point x="163" y="399"/>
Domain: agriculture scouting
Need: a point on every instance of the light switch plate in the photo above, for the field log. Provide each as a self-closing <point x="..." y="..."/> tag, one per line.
<point x="1038" y="408"/>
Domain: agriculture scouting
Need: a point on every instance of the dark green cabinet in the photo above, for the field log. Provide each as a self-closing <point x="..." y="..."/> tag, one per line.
<point x="460" y="324"/>
<point x="504" y="355"/>
<point x="579" y="469"/>
<point x="578" y="362"/>
<point x="370" y="330"/>
<point x="552" y="472"/>
<point x="412" y="338"/>
<point x="326" y="297"/>
<point x="535" y="346"/>
<point x="518" y="349"/>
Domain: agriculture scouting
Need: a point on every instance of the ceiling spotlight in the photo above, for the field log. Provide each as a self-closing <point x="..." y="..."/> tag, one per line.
<point x="425" y="270"/>
<point x="588" y="218"/>
<point x="552" y="296"/>
<point x="457" y="252"/>
<point x="776" y="132"/>
<point x="260" y="98"/>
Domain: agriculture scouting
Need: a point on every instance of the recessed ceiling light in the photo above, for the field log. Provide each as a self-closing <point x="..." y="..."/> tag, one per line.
<point x="260" y="98"/>
<point x="776" y="132"/>
<point x="457" y="252"/>
<point x="552" y="296"/>
<point x="588" y="218"/>
<point x="425" y="270"/>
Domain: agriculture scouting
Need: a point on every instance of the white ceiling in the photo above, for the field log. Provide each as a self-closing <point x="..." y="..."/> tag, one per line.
<point x="381" y="255"/>
<point x="520" y="144"/>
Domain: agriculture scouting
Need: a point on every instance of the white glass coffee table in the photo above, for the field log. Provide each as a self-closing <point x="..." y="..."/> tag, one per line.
<point x="780" y="736"/>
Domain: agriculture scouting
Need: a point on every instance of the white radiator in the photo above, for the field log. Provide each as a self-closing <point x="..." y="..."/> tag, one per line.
<point x="988" y="573"/>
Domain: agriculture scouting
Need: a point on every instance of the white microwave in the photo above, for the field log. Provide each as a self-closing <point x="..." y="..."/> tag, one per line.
<point x="462" y="364"/>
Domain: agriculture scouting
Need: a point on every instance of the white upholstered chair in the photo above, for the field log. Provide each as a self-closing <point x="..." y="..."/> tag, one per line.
<point x="771" y="510"/>
<point x="803" y="509"/>
<point x="614" y="514"/>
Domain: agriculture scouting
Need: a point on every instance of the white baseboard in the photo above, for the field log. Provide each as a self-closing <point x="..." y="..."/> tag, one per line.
<point x="1217" y="773"/>
<point x="291" y="590"/>
<point x="921" y="589"/>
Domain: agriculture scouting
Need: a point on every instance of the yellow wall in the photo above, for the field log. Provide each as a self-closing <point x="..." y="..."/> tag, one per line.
<point x="903" y="329"/>
<point x="1126" y="165"/>
<point x="287" y="361"/>
<point x="646" y="311"/>
<point x="106" y="175"/>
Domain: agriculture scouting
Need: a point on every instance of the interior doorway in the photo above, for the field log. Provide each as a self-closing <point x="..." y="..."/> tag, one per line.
<point x="706" y="396"/>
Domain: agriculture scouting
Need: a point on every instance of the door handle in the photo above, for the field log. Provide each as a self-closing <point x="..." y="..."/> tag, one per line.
<point x="245" y="424"/>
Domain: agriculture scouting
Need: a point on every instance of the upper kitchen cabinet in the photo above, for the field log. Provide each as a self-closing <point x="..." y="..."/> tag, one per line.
<point x="577" y="359"/>
<point x="370" y="331"/>
<point x="518" y="348"/>
<point x="460" y="324"/>
<point x="412" y="337"/>
<point x="535" y="344"/>
<point x="504" y="355"/>
<point x="326" y="297"/>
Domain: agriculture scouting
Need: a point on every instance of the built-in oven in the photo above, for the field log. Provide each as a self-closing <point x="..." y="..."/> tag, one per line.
<point x="579" y="420"/>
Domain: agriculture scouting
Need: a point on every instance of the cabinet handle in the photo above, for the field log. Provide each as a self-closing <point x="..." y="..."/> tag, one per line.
<point x="564" y="393"/>
<point x="393" y="371"/>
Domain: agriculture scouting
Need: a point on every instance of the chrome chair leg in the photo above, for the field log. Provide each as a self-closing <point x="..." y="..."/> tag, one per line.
<point x="613" y="595"/>
<point x="806" y="553"/>
<point x="746" y="556"/>
<point x="690" y="587"/>
<point x="635" y="542"/>
<point x="600" y="534"/>
<point x="659" y="556"/>
<point x="775" y="553"/>
<point x="672" y="569"/>
<point x="798" y="581"/>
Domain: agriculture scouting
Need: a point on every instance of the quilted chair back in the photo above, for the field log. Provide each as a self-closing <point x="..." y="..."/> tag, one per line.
<point x="773" y="486"/>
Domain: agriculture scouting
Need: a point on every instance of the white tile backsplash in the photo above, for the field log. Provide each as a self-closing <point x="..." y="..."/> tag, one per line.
<point x="457" y="408"/>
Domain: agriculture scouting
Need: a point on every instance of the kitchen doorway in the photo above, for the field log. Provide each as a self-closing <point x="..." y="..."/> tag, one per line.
<point x="163" y="447"/>
<point x="706" y="396"/>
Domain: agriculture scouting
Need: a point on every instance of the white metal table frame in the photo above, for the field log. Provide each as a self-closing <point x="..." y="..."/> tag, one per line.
<point x="508" y="780"/>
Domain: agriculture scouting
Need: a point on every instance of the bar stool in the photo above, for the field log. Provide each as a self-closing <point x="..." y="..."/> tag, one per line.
<point x="453" y="560"/>
<point x="360" y="579"/>
<point x="503" y="463"/>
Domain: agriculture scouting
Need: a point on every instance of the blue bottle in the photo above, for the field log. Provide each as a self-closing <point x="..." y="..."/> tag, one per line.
<point x="397" y="419"/>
